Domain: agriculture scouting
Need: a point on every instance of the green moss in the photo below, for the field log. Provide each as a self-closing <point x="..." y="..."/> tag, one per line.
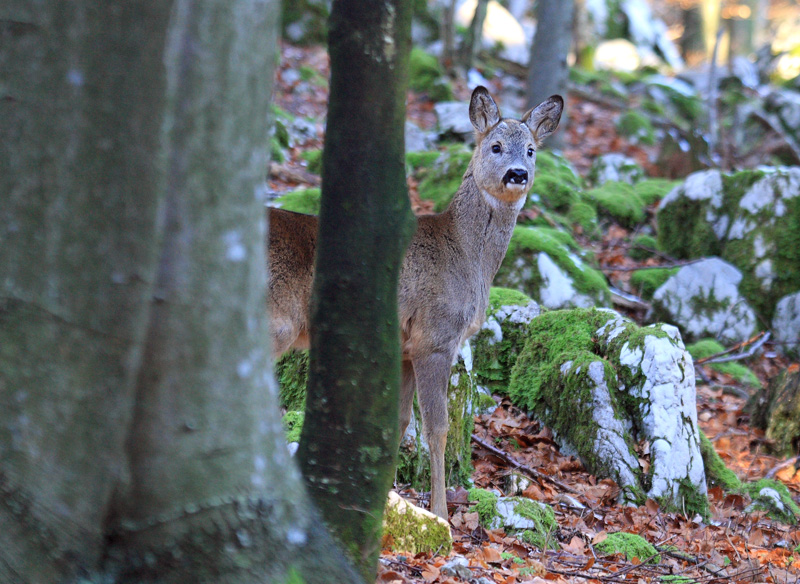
<point x="676" y="579"/>
<point x="293" y="425"/>
<point x="543" y="535"/>
<point x="300" y="201"/>
<point x="556" y="184"/>
<point x="439" y="182"/>
<point x="486" y="506"/>
<point x="716" y="471"/>
<point x="426" y="74"/>
<point x="630" y="544"/>
<point x="314" y="160"/>
<point x="418" y="160"/>
<point x="637" y="127"/>
<point x="642" y="246"/>
<point x="618" y="201"/>
<point x="652" y="190"/>
<point x="585" y="215"/>
<point x="707" y="347"/>
<point x="291" y="370"/>
<point x="506" y="297"/>
<point x="786" y="512"/>
<point x="562" y="249"/>
<point x="683" y="231"/>
<point x="415" y="533"/>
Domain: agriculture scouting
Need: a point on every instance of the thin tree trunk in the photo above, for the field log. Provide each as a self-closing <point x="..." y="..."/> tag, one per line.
<point x="548" y="72"/>
<point x="350" y="435"/>
<point x="137" y="405"/>
<point x="448" y="35"/>
<point x="474" y="40"/>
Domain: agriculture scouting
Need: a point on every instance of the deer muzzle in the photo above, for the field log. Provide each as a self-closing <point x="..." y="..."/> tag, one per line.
<point x="516" y="176"/>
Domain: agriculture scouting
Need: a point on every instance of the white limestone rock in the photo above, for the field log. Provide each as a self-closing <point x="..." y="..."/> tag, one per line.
<point x="703" y="299"/>
<point x="786" y="324"/>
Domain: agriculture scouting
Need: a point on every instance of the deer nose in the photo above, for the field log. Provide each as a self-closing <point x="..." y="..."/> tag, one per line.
<point x="516" y="176"/>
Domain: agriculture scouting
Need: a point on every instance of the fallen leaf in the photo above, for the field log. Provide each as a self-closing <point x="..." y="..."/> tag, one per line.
<point x="489" y="555"/>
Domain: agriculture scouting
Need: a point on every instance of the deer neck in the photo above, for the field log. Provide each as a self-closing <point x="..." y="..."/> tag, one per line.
<point x="481" y="224"/>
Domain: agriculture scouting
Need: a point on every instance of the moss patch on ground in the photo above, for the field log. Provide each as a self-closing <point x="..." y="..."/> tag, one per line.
<point x="637" y="127"/>
<point x="410" y="529"/>
<point x="652" y="190"/>
<point x="707" y="347"/>
<point x="618" y="201"/>
<point x="293" y="425"/>
<point x="486" y="505"/>
<point x="631" y="545"/>
<point x="425" y="73"/>
<point x="439" y="181"/>
<point x="291" y="371"/>
<point x="642" y="247"/>
<point x="556" y="185"/>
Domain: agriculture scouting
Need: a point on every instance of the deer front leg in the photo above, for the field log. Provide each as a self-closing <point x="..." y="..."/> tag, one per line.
<point x="432" y="372"/>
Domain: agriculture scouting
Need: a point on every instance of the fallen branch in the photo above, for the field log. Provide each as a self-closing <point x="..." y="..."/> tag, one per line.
<point x="524" y="468"/>
<point x="773" y="471"/>
<point x="658" y="267"/>
<point x="757" y="341"/>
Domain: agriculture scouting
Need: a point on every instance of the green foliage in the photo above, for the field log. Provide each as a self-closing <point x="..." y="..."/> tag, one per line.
<point x="293" y="425"/>
<point x="645" y="282"/>
<point x="641" y="247"/>
<point x="291" y="370"/>
<point x="426" y="74"/>
<point x="314" y="160"/>
<point x="486" y="505"/>
<point x="707" y="347"/>
<point x="618" y="201"/>
<point x="506" y="297"/>
<point x="630" y="544"/>
<point x="637" y="127"/>
<point x="420" y="160"/>
<point x="300" y="201"/>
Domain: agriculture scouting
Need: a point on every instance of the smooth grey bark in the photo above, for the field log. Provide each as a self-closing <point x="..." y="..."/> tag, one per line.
<point x="349" y="441"/>
<point x="472" y="44"/>
<point x="547" y="70"/>
<point x="139" y="430"/>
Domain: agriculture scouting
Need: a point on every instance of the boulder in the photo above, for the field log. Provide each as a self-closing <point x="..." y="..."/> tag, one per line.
<point x="408" y="528"/>
<point x="603" y="385"/>
<point x="534" y="522"/>
<point x="615" y="167"/>
<point x="417" y="139"/>
<point x="749" y="219"/>
<point x="776" y="410"/>
<point x="703" y="299"/>
<point x="546" y="264"/>
<point x="786" y="324"/>
<point x="453" y="119"/>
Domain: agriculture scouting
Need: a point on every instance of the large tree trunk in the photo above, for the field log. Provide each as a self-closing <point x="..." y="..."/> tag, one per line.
<point x="350" y="436"/>
<point x="137" y="406"/>
<point x="548" y="72"/>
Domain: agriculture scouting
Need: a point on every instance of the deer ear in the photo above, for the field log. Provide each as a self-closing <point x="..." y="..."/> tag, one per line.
<point x="483" y="111"/>
<point x="543" y="119"/>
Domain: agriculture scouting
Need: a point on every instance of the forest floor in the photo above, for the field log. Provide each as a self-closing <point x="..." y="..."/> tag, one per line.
<point x="731" y="547"/>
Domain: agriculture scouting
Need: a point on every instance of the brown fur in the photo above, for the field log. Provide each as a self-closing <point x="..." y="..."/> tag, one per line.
<point x="447" y="271"/>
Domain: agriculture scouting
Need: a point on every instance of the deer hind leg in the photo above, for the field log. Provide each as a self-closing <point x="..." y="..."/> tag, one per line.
<point x="406" y="397"/>
<point x="432" y="372"/>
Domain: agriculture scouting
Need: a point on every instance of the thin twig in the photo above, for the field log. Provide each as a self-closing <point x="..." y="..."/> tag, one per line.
<point x="524" y="468"/>
<point x="658" y="267"/>
<point x="757" y="341"/>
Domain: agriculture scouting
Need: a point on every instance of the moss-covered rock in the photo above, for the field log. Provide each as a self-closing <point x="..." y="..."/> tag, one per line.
<point x="646" y="281"/>
<point x="545" y="264"/>
<point x="313" y="160"/>
<point x="556" y="185"/>
<point x="786" y="324"/>
<point x="425" y="73"/>
<point x="439" y="181"/>
<point x="535" y="522"/>
<point x="502" y="336"/>
<point x="703" y="299"/>
<point x="750" y="219"/>
<point x="766" y="494"/>
<point x="614" y="167"/>
<point x="618" y="202"/>
<point x="643" y="247"/>
<point x="584" y="215"/>
<point x="300" y="201"/>
<point x="629" y="544"/>
<point x="652" y="190"/>
<point x="597" y="381"/>
<point x="407" y="528"/>
<point x="636" y="127"/>
<point x="293" y="425"/>
<point x="776" y="410"/>
<point x="707" y="347"/>
<point x="305" y="21"/>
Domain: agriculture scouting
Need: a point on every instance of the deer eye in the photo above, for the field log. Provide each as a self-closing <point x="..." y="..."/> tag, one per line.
<point x="530" y="151"/>
<point x="496" y="148"/>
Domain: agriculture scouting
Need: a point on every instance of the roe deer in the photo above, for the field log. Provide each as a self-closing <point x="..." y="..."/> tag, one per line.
<point x="447" y="270"/>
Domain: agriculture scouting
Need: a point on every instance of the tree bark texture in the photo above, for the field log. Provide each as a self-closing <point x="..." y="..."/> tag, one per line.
<point x="548" y="71"/>
<point x="349" y="441"/>
<point x="139" y="431"/>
